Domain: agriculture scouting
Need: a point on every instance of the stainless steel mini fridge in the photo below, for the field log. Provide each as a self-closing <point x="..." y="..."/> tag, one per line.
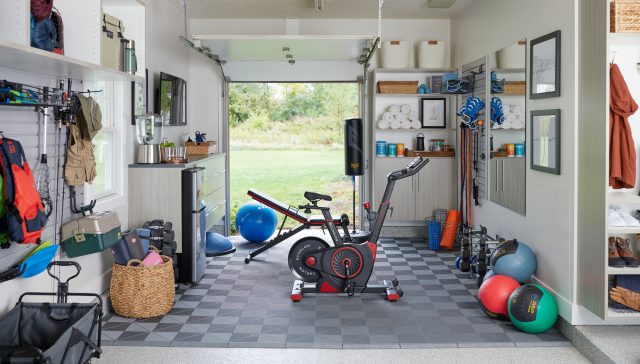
<point x="192" y="262"/>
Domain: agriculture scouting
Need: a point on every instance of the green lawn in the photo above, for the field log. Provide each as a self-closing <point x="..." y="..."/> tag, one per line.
<point x="287" y="174"/>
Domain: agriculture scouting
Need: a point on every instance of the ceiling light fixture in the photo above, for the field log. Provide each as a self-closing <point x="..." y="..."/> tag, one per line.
<point x="319" y="5"/>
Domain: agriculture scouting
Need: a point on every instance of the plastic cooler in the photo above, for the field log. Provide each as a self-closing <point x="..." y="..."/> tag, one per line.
<point x="90" y="234"/>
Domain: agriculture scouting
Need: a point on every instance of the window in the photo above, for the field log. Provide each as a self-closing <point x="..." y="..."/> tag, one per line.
<point x="108" y="142"/>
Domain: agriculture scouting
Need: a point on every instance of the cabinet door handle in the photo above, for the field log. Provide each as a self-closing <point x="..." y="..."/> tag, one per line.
<point x="496" y="180"/>
<point x="502" y="184"/>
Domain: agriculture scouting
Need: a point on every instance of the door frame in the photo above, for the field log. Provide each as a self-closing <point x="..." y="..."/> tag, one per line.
<point x="363" y="188"/>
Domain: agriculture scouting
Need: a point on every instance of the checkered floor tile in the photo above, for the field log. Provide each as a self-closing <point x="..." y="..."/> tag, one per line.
<point x="238" y="305"/>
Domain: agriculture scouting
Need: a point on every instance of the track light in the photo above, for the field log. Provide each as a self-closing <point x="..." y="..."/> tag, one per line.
<point x="319" y="5"/>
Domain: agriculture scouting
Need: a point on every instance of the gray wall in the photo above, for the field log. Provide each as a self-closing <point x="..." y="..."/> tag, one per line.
<point x="550" y="224"/>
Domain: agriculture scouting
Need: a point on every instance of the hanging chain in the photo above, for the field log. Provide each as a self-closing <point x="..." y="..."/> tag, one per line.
<point x="380" y="5"/>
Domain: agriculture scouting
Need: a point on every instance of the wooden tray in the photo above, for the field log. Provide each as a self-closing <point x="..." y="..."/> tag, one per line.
<point x="514" y="87"/>
<point x="414" y="153"/>
<point x="499" y="154"/>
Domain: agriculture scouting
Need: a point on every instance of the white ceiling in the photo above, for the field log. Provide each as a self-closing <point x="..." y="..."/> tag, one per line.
<point x="334" y="9"/>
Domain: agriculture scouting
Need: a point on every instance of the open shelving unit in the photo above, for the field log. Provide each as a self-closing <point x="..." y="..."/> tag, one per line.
<point x="441" y="174"/>
<point x="82" y="39"/>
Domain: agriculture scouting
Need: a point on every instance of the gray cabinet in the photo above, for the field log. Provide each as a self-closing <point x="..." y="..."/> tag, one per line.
<point x="507" y="183"/>
<point x="416" y="197"/>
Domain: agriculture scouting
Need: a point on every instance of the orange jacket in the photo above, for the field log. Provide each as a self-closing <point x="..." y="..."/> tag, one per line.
<point x="622" y="152"/>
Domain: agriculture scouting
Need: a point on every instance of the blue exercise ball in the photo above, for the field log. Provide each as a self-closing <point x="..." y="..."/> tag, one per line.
<point x="256" y="222"/>
<point x="514" y="259"/>
<point x="218" y="245"/>
<point x="490" y="273"/>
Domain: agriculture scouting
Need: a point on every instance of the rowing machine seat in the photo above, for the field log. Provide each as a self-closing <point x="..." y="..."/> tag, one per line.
<point x="315" y="197"/>
<point x="281" y="207"/>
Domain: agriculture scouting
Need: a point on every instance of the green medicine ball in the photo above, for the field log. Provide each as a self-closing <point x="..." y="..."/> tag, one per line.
<point x="533" y="309"/>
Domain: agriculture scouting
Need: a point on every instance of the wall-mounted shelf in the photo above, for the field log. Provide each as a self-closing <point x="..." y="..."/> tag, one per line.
<point x="414" y="70"/>
<point x="622" y="314"/>
<point x="623" y="230"/>
<point x="509" y="70"/>
<point x="622" y="199"/>
<point x="29" y="59"/>
<point x="623" y="271"/>
<point x="433" y="94"/>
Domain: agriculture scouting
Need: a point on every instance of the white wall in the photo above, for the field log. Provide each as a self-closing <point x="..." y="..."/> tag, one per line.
<point x="549" y="226"/>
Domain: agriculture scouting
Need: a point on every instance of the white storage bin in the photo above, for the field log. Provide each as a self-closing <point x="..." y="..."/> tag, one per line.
<point x="395" y="54"/>
<point x="431" y="54"/>
<point x="513" y="56"/>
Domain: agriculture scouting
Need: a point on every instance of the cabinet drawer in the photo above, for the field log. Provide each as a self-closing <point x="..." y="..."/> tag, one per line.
<point x="213" y="182"/>
<point x="214" y="198"/>
<point x="212" y="165"/>
<point x="214" y="214"/>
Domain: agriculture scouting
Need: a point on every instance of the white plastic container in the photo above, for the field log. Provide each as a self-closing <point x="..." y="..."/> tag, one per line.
<point x="431" y="54"/>
<point x="395" y="54"/>
<point x="513" y="56"/>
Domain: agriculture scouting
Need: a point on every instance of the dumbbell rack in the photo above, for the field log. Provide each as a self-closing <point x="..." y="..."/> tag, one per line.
<point x="475" y="251"/>
<point x="162" y="237"/>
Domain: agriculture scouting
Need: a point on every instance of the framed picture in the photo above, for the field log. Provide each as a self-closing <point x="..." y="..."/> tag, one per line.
<point x="434" y="112"/>
<point x="545" y="66"/>
<point x="545" y="141"/>
<point x="139" y="98"/>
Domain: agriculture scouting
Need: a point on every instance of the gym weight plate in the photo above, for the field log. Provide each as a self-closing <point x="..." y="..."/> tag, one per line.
<point x="299" y="251"/>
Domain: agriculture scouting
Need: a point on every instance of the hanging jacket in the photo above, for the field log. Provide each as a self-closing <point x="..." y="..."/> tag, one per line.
<point x="25" y="217"/>
<point x="622" y="151"/>
<point x="80" y="166"/>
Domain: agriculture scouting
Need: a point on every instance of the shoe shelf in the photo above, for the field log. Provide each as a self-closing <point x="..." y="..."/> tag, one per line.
<point x="613" y="313"/>
<point x="623" y="230"/>
<point x="623" y="270"/>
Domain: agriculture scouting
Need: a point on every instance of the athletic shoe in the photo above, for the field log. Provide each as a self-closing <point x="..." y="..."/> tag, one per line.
<point x="614" y="256"/>
<point x="614" y="219"/>
<point x="628" y="219"/>
<point x="625" y="252"/>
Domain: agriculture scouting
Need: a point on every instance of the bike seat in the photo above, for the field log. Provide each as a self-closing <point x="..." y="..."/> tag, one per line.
<point x="315" y="197"/>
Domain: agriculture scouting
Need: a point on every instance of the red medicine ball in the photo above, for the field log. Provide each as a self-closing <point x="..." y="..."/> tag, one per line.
<point x="493" y="296"/>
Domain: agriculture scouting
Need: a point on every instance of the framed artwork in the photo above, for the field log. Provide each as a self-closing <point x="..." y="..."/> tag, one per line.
<point x="139" y="98"/>
<point x="545" y="141"/>
<point x="545" y="66"/>
<point x="434" y="112"/>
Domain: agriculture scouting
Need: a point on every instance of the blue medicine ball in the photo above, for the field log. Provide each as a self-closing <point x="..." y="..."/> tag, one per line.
<point x="514" y="259"/>
<point x="256" y="222"/>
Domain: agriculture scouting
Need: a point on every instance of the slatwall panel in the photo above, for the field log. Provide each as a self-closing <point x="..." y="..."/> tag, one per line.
<point x="479" y="90"/>
<point x="25" y="125"/>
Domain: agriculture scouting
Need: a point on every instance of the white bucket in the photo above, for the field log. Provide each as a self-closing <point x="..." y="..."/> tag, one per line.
<point x="431" y="54"/>
<point x="513" y="56"/>
<point x="395" y="54"/>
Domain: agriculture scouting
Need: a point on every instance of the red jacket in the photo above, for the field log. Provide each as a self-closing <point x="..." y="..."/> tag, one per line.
<point x="622" y="151"/>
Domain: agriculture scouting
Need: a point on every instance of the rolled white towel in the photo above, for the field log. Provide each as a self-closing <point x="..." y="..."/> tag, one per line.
<point x="413" y="115"/>
<point x="405" y="109"/>
<point x="416" y="124"/>
<point x="395" y="124"/>
<point x="518" y="124"/>
<point x="506" y="109"/>
<point x="402" y="117"/>
<point x="384" y="124"/>
<point x="387" y="116"/>
<point x="517" y="109"/>
<point x="405" y="124"/>
<point x="394" y="109"/>
<point x="510" y="117"/>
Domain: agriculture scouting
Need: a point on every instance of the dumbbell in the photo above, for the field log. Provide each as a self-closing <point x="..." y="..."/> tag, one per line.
<point x="168" y="236"/>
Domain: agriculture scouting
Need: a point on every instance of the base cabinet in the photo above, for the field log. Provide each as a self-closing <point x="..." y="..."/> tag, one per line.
<point x="507" y="183"/>
<point x="415" y="198"/>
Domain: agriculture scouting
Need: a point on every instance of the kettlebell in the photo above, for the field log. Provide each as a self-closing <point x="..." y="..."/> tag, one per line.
<point x="420" y="142"/>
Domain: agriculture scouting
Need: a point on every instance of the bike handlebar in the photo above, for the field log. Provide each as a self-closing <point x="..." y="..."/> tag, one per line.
<point x="412" y="168"/>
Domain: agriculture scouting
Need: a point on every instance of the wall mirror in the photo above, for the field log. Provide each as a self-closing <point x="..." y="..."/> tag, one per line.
<point x="507" y="117"/>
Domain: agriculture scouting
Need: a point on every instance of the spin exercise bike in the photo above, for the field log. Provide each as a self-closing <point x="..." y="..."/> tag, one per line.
<point x="344" y="267"/>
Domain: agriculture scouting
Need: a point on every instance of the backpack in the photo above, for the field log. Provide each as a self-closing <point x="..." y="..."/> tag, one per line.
<point x="25" y="216"/>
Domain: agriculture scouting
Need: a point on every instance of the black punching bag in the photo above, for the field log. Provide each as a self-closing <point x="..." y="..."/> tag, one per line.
<point x="353" y="147"/>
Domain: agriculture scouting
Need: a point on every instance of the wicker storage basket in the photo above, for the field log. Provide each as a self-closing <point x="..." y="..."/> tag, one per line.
<point x="202" y="148"/>
<point x="142" y="292"/>
<point x="397" y="87"/>
<point x="625" y="16"/>
<point x="514" y="87"/>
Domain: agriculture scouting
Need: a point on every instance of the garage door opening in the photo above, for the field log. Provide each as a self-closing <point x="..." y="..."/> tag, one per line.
<point x="288" y="138"/>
